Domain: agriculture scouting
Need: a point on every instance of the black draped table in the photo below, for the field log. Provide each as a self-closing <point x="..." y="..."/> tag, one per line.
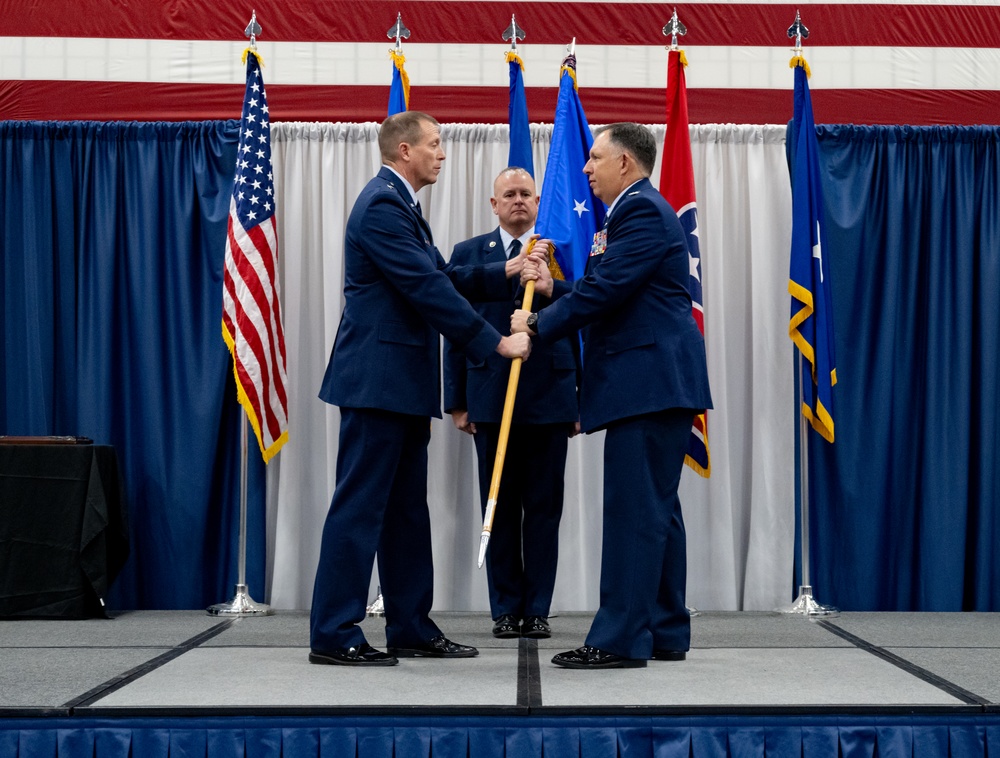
<point x="63" y="529"/>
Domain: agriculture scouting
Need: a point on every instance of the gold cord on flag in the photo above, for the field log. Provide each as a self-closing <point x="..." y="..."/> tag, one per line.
<point x="800" y="60"/>
<point x="572" y="72"/>
<point x="512" y="57"/>
<point x="252" y="51"/>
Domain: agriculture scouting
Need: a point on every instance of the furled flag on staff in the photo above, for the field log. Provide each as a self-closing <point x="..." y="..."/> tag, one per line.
<point x="569" y="214"/>
<point x="251" y="313"/>
<point x="399" y="90"/>
<point x="517" y="117"/>
<point x="677" y="186"/>
<point x="811" y="326"/>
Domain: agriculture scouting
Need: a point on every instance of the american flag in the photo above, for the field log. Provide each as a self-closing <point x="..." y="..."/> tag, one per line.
<point x="251" y="314"/>
<point x="896" y="62"/>
<point x="677" y="186"/>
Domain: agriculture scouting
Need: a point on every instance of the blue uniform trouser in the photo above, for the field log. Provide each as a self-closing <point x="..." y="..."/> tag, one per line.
<point x="379" y="506"/>
<point x="644" y="554"/>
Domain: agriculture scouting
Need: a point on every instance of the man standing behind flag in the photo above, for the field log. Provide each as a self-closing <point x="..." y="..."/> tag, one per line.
<point x="677" y="186"/>
<point x="251" y="310"/>
<point x="524" y="548"/>
<point x="644" y="379"/>
<point x="384" y="373"/>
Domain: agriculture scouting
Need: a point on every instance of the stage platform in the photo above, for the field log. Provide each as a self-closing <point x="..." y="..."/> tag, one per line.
<point x="751" y="675"/>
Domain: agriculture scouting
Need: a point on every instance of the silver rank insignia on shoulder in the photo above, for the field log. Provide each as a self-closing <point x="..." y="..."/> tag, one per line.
<point x="600" y="243"/>
<point x="635" y="192"/>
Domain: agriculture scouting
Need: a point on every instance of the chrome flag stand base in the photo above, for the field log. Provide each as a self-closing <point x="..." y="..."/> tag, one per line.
<point x="805" y="605"/>
<point x="241" y="605"/>
<point x="377" y="608"/>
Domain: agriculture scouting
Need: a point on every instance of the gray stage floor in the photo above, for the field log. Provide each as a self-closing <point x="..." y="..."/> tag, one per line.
<point x="159" y="662"/>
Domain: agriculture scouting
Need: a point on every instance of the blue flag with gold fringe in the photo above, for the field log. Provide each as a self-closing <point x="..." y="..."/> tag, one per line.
<point x="517" y="117"/>
<point x="811" y="325"/>
<point x="569" y="214"/>
<point x="399" y="90"/>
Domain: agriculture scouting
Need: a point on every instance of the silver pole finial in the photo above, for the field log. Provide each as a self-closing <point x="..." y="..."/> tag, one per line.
<point x="673" y="28"/>
<point x="252" y="30"/>
<point x="513" y="33"/>
<point x="398" y="31"/>
<point x="799" y="31"/>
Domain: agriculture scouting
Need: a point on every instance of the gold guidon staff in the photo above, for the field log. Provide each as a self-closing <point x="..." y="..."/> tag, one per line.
<point x="508" y="412"/>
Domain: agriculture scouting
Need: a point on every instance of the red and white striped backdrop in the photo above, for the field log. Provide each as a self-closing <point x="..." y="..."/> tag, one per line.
<point x="327" y="60"/>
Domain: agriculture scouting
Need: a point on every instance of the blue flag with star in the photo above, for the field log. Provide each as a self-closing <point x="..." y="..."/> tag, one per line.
<point x="569" y="214"/>
<point x="811" y="325"/>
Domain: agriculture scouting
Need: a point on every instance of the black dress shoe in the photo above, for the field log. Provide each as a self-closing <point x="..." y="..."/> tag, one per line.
<point x="536" y="627"/>
<point x="669" y="655"/>
<point x="591" y="658"/>
<point x="362" y="655"/>
<point x="439" y="647"/>
<point x="507" y="627"/>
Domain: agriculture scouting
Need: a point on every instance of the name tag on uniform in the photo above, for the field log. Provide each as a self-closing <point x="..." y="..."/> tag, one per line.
<point x="600" y="243"/>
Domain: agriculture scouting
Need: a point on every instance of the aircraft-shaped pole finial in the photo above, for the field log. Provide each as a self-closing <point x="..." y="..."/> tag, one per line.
<point x="799" y="31"/>
<point x="673" y="28"/>
<point x="398" y="32"/>
<point x="252" y="30"/>
<point x="513" y="33"/>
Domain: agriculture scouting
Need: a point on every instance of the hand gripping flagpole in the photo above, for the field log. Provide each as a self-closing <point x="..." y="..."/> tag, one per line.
<point x="805" y="604"/>
<point x="242" y="604"/>
<point x="508" y="412"/>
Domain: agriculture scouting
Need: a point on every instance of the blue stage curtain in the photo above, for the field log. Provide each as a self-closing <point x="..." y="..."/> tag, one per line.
<point x="113" y="240"/>
<point x="904" y="504"/>
<point x="722" y="736"/>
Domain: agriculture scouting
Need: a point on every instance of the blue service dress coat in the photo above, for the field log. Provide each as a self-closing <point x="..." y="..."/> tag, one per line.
<point x="523" y="554"/>
<point x="644" y="378"/>
<point x="399" y="297"/>
<point x="384" y="373"/>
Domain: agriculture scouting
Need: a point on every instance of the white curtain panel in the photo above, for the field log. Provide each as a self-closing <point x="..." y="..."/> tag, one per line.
<point x="739" y="522"/>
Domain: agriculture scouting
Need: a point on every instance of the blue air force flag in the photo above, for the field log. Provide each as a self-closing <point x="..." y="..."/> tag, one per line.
<point x="568" y="213"/>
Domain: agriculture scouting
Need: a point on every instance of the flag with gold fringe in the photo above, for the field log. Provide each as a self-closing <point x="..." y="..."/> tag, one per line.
<point x="677" y="186"/>
<point x="517" y="117"/>
<point x="569" y="214"/>
<point x="811" y="325"/>
<point x="399" y="90"/>
<point x="251" y="315"/>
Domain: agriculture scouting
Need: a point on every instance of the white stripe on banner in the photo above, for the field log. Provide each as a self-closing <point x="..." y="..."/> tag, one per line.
<point x="347" y="63"/>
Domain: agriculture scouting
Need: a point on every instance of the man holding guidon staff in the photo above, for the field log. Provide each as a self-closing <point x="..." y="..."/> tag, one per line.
<point x="644" y="379"/>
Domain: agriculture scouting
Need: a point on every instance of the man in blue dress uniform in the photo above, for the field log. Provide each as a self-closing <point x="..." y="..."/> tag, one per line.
<point x="384" y="373"/>
<point x="524" y="542"/>
<point x="644" y="379"/>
